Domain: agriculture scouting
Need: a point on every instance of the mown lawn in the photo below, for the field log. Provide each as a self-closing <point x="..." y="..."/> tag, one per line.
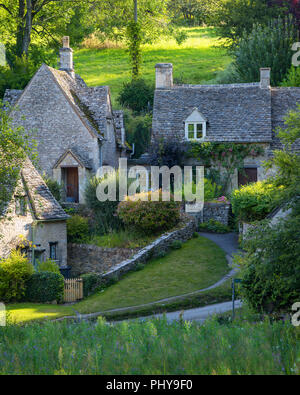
<point x="195" y="61"/>
<point x="197" y="265"/>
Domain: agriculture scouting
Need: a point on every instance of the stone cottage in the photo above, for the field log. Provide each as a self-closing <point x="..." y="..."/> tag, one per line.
<point x="238" y="113"/>
<point x="75" y="127"/>
<point x="33" y="220"/>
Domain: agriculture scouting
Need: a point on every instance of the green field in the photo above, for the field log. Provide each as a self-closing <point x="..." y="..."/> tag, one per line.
<point x="196" y="61"/>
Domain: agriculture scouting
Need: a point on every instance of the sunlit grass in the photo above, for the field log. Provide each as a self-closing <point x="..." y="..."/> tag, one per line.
<point x="197" y="265"/>
<point x="196" y="61"/>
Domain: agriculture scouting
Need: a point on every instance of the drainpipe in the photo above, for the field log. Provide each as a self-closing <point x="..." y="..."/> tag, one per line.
<point x="133" y="151"/>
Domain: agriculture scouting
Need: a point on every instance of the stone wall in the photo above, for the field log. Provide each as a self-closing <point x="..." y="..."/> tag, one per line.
<point x="85" y="258"/>
<point x="114" y="262"/>
<point x="217" y="211"/>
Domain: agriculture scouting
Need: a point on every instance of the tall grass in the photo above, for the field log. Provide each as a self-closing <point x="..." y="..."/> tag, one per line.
<point x="151" y="347"/>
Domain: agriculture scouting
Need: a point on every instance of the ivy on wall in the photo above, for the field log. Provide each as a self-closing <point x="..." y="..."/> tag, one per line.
<point x="223" y="158"/>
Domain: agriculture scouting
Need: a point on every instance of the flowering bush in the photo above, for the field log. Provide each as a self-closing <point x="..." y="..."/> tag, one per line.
<point x="149" y="216"/>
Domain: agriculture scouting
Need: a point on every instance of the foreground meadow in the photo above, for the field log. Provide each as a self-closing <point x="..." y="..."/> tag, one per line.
<point x="150" y="347"/>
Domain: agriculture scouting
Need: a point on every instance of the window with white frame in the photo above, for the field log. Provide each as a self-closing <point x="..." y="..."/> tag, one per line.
<point x="195" y="126"/>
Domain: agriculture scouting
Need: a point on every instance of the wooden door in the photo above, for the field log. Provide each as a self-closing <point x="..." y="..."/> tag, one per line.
<point x="72" y="184"/>
<point x="248" y="175"/>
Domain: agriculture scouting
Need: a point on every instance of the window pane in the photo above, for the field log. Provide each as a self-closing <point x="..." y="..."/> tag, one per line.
<point x="199" y="130"/>
<point x="191" y="127"/>
<point x="191" y="135"/>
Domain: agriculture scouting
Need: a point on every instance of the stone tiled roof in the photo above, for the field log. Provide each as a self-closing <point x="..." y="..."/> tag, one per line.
<point x="91" y="108"/>
<point x="44" y="205"/>
<point x="235" y="113"/>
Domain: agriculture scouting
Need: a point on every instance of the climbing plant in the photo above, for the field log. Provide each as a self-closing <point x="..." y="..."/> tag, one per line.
<point x="134" y="39"/>
<point x="223" y="158"/>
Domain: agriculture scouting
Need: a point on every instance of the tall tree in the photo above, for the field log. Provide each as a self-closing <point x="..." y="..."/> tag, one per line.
<point x="24" y="18"/>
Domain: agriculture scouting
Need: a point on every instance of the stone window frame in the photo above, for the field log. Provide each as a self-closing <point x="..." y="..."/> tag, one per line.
<point x="195" y="131"/>
<point x="192" y="122"/>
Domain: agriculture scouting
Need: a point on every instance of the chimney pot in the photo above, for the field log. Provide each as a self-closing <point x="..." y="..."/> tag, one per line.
<point x="66" y="42"/>
<point x="265" y="77"/>
<point x="164" y="75"/>
<point x="66" y="57"/>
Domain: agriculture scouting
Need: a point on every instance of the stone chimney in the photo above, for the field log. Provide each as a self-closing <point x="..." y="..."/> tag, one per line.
<point x="265" y="77"/>
<point x="66" y="57"/>
<point x="164" y="75"/>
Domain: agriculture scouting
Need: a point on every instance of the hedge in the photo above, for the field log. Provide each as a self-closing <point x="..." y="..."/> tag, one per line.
<point x="45" y="287"/>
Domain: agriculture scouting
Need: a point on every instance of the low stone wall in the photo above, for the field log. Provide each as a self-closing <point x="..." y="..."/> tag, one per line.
<point x="217" y="211"/>
<point x="162" y="244"/>
<point x="114" y="262"/>
<point x="86" y="258"/>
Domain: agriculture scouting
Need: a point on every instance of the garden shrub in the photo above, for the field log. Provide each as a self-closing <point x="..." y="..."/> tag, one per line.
<point x="176" y="245"/>
<point x="78" y="229"/>
<point x="270" y="266"/>
<point x="45" y="287"/>
<point x="149" y="216"/>
<point x="91" y="282"/>
<point x="105" y="218"/>
<point x="47" y="266"/>
<point x="211" y="190"/>
<point x="214" y="226"/>
<point x="138" y="132"/>
<point x="137" y="95"/>
<point x="253" y="202"/>
<point x="14" y="272"/>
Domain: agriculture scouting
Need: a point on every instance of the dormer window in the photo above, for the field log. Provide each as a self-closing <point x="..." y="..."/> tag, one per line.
<point x="195" y="126"/>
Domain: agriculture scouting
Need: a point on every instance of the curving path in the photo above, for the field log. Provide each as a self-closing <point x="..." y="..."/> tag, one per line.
<point x="228" y="242"/>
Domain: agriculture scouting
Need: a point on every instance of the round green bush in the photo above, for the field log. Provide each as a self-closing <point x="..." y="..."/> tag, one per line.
<point x="253" y="202"/>
<point x="14" y="272"/>
<point x="136" y="95"/>
<point x="78" y="229"/>
<point x="149" y="216"/>
<point x="45" y="287"/>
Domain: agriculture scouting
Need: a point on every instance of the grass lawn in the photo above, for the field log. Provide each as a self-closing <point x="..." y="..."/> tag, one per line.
<point x="195" y="61"/>
<point x="198" y="264"/>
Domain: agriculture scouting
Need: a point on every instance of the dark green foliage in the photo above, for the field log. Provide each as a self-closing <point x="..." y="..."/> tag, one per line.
<point x="266" y="46"/>
<point x="271" y="266"/>
<point x="134" y="37"/>
<point x="234" y="18"/>
<point x="105" y="219"/>
<point x="214" y="227"/>
<point x="138" y="132"/>
<point x="137" y="95"/>
<point x="168" y="152"/>
<point x="54" y="186"/>
<point x="91" y="283"/>
<point x="45" y="287"/>
<point x="293" y="77"/>
<point x="78" y="229"/>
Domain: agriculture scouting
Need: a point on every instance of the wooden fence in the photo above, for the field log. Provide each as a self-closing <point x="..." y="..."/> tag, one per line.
<point x="73" y="289"/>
